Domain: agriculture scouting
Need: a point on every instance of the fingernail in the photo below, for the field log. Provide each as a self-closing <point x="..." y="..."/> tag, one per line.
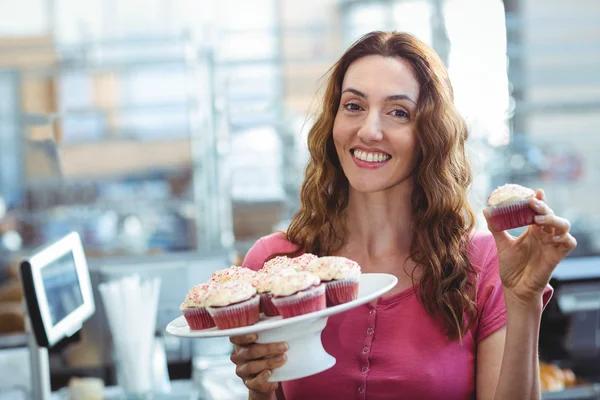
<point x="282" y="347"/>
<point x="540" y="218"/>
<point x="279" y="357"/>
<point x="556" y="237"/>
<point x="251" y="337"/>
<point x="266" y="373"/>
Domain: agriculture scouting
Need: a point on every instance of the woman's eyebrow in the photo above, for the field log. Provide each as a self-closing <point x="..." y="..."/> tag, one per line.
<point x="394" y="97"/>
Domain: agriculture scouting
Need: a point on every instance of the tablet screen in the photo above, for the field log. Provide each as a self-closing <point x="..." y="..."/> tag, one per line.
<point x="62" y="288"/>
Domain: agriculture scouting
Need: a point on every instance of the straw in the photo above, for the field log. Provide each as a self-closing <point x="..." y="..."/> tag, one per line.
<point x="131" y="306"/>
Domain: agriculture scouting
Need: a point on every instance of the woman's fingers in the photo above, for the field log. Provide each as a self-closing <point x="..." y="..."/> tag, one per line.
<point x="243" y="354"/>
<point x="567" y="240"/>
<point x="559" y="225"/>
<point x="243" y="339"/>
<point x="252" y="368"/>
<point x="259" y="383"/>
<point x="539" y="205"/>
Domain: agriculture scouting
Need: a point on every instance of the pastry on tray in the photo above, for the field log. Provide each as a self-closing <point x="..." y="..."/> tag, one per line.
<point x="297" y="293"/>
<point x="194" y="307"/>
<point x="340" y="276"/>
<point x="234" y="304"/>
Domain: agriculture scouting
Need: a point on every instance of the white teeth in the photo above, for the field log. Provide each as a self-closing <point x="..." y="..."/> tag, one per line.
<point x="370" y="157"/>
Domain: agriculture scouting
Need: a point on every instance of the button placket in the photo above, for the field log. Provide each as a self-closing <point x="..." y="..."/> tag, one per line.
<point x="366" y="351"/>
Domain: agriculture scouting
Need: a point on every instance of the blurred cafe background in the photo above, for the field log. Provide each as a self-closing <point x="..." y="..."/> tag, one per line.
<point x="171" y="135"/>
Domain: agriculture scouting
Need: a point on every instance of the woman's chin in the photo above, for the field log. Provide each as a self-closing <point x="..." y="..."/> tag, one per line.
<point x="368" y="186"/>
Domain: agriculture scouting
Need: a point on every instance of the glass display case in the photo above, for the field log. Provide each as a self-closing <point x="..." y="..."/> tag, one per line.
<point x="126" y="147"/>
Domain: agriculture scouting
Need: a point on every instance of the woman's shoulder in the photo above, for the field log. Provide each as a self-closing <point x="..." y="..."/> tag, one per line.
<point x="265" y="247"/>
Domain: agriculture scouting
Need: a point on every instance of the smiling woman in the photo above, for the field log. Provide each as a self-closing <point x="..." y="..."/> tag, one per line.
<point x="386" y="186"/>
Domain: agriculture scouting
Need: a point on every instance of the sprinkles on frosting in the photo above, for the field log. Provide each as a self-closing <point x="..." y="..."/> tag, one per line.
<point x="233" y="273"/>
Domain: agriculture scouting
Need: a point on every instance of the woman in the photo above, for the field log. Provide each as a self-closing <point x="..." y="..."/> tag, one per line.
<point x="387" y="186"/>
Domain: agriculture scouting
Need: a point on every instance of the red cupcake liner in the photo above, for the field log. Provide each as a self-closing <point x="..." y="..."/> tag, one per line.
<point x="303" y="302"/>
<point x="267" y="306"/>
<point x="511" y="215"/>
<point x="198" y="318"/>
<point x="236" y="315"/>
<point x="341" y="291"/>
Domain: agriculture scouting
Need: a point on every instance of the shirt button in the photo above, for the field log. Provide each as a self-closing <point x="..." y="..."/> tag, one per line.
<point x="361" y="389"/>
<point x="370" y="331"/>
<point x="372" y="311"/>
<point x="364" y="369"/>
<point x="365" y="350"/>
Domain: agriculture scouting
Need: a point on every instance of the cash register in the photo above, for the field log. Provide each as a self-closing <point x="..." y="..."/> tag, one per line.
<point x="570" y="328"/>
<point x="58" y="300"/>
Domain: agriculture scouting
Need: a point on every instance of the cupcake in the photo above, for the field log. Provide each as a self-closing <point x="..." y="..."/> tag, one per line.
<point x="508" y="207"/>
<point x="233" y="304"/>
<point x="263" y="283"/>
<point x="194" y="307"/>
<point x="233" y="273"/>
<point x="297" y="293"/>
<point x="340" y="276"/>
<point x="283" y="262"/>
<point x="301" y="262"/>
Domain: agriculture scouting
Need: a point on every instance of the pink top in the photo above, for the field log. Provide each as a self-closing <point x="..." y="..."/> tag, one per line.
<point x="395" y="349"/>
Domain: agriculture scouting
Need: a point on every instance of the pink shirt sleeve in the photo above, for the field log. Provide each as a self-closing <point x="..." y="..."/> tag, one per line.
<point x="256" y="256"/>
<point x="490" y="294"/>
<point x="265" y="247"/>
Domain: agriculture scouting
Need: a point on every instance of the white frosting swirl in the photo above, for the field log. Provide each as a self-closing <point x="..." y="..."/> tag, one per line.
<point x="262" y="282"/>
<point x="334" y="268"/>
<point x="230" y="292"/>
<point x="197" y="296"/>
<point x="509" y="193"/>
<point x="233" y="273"/>
<point x="291" y="282"/>
<point x="284" y="262"/>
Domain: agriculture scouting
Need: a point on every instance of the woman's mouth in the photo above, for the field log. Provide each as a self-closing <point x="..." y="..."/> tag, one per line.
<point x="369" y="159"/>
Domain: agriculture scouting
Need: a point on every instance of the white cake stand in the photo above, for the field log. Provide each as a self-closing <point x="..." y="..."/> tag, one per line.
<point x="306" y="355"/>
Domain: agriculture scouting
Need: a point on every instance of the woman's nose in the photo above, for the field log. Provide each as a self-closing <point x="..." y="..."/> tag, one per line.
<point x="370" y="130"/>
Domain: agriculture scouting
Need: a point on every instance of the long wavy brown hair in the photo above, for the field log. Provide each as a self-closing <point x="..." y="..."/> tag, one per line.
<point x="443" y="219"/>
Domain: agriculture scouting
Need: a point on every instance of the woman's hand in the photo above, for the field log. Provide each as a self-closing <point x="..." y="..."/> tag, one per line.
<point x="254" y="364"/>
<point x="527" y="262"/>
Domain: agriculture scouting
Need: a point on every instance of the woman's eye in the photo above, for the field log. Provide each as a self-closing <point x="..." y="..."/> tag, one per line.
<point x="352" y="107"/>
<point x="400" y="113"/>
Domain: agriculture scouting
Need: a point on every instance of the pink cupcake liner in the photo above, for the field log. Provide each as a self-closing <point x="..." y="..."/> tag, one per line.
<point x="341" y="291"/>
<point x="511" y="215"/>
<point x="236" y="315"/>
<point x="198" y="318"/>
<point x="303" y="302"/>
<point x="267" y="306"/>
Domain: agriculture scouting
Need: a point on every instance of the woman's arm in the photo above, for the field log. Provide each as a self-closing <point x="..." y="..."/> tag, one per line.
<point x="526" y="264"/>
<point x="507" y="360"/>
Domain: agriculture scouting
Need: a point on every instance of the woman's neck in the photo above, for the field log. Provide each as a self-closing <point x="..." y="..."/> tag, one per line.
<point x="380" y="223"/>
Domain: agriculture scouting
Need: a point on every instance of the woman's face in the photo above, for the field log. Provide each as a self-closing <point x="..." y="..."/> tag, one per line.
<point x="374" y="128"/>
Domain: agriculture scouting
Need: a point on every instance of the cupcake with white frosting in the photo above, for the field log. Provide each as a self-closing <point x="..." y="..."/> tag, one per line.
<point x="263" y="283"/>
<point x="297" y="293"/>
<point x="508" y="207"/>
<point x="194" y="307"/>
<point x="233" y="304"/>
<point x="283" y="262"/>
<point x="233" y="273"/>
<point x="341" y="277"/>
